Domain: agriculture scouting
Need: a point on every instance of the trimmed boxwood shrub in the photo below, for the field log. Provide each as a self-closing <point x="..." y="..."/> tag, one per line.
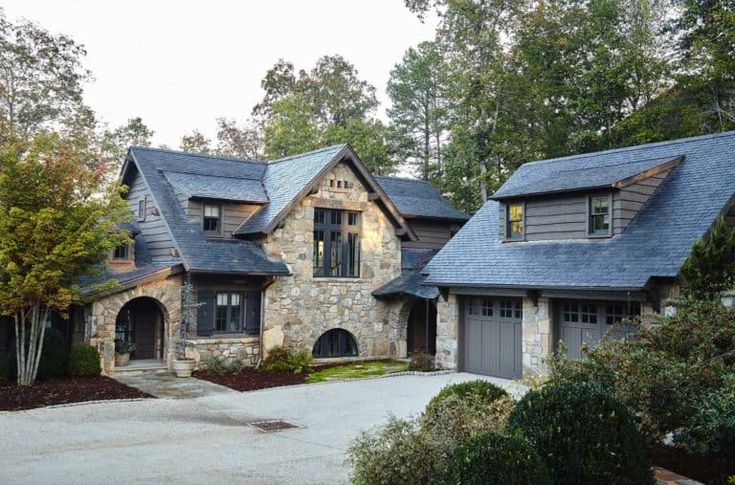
<point x="583" y="434"/>
<point x="287" y="359"/>
<point x="54" y="356"/>
<point x="496" y="458"/>
<point x="84" y="361"/>
<point x="482" y="390"/>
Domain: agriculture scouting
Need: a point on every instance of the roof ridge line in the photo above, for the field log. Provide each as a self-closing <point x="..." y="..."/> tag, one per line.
<point x="163" y="170"/>
<point x="201" y="155"/>
<point x="650" y="159"/>
<point x="407" y="179"/>
<point x="680" y="141"/>
<point x="291" y="157"/>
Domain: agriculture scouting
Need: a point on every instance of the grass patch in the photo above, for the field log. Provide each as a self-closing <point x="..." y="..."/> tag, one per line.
<point x="358" y="370"/>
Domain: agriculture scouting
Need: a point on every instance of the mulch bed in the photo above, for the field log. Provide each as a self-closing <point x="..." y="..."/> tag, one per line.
<point x="64" y="391"/>
<point x="250" y="379"/>
<point x="710" y="470"/>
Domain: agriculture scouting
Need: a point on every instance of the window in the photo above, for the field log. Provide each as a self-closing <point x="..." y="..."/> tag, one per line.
<point x="142" y="208"/>
<point x="514" y="226"/>
<point x="212" y="221"/>
<point x="510" y="309"/>
<point x="336" y="243"/>
<point x="599" y="216"/>
<point x="121" y="253"/>
<point x="335" y="343"/>
<point x="487" y="308"/>
<point x="617" y="312"/>
<point x="228" y="312"/>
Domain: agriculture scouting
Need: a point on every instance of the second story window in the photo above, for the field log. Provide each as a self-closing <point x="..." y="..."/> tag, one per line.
<point x="514" y="221"/>
<point x="212" y="221"/>
<point x="142" y="203"/>
<point x="336" y="243"/>
<point x="599" y="216"/>
<point x="122" y="253"/>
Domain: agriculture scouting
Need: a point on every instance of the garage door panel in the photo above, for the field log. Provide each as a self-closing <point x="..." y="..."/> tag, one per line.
<point x="492" y="345"/>
<point x="473" y="339"/>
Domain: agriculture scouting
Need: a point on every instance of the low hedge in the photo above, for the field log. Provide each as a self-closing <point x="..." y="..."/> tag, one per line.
<point x="481" y="390"/>
<point x="84" y="361"/>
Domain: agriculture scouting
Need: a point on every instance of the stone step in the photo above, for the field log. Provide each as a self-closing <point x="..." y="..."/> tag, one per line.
<point x="142" y="367"/>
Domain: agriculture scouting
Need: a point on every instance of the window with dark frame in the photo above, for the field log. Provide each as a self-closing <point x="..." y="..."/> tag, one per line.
<point x="121" y="253"/>
<point x="514" y="221"/>
<point x="336" y="243"/>
<point x="599" y="216"/>
<point x="142" y="209"/>
<point x="228" y="312"/>
<point x="335" y="343"/>
<point x="212" y="218"/>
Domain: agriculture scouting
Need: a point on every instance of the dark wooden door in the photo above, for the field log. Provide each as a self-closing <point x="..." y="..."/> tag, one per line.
<point x="492" y="337"/>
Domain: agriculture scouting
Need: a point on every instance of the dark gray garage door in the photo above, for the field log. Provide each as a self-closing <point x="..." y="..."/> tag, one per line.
<point x="492" y="337"/>
<point x="584" y="323"/>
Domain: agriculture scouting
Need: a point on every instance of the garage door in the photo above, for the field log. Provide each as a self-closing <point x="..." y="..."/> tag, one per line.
<point x="584" y="323"/>
<point x="492" y="337"/>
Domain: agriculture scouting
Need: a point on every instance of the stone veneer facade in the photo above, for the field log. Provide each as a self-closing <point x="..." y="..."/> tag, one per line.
<point x="447" y="332"/>
<point x="227" y="350"/>
<point x="298" y="309"/>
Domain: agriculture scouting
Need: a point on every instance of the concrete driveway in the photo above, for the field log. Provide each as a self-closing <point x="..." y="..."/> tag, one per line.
<point x="208" y="439"/>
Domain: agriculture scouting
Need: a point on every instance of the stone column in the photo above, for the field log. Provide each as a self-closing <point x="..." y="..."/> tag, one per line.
<point x="537" y="335"/>
<point x="447" y="332"/>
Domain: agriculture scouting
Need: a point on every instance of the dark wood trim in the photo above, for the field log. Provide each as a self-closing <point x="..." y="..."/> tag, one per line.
<point x="657" y="170"/>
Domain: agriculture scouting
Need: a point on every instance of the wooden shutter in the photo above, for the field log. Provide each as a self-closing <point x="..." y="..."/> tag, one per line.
<point x="205" y="314"/>
<point x="252" y="317"/>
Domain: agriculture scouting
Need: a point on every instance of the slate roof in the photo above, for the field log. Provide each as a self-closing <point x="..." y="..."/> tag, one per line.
<point x="218" y="187"/>
<point x="411" y="281"/>
<point x="197" y="252"/>
<point x="655" y="243"/>
<point x="418" y="198"/>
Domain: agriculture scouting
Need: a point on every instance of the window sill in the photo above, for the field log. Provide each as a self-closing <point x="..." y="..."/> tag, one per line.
<point x="229" y="338"/>
<point x="341" y="279"/>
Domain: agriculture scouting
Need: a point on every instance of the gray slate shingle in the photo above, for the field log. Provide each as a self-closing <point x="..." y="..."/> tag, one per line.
<point x="218" y="187"/>
<point x="655" y="243"/>
<point x="418" y="198"/>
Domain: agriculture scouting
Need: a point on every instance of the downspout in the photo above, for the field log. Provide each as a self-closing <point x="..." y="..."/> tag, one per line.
<point x="265" y="286"/>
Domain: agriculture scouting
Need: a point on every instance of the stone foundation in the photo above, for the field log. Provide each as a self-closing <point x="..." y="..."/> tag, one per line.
<point x="226" y="350"/>
<point x="447" y="333"/>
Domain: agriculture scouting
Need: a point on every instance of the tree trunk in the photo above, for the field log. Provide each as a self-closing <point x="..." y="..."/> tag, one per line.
<point x="29" y="332"/>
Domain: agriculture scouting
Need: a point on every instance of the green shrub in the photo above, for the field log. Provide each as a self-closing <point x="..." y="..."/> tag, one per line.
<point x="456" y="417"/>
<point x="2" y="371"/>
<point x="496" y="458"/>
<point x="215" y="366"/>
<point x="583" y="434"/>
<point x="483" y="390"/>
<point x="421" y="362"/>
<point x="711" y="431"/>
<point x="84" y="361"/>
<point x="287" y="359"/>
<point x="54" y="356"/>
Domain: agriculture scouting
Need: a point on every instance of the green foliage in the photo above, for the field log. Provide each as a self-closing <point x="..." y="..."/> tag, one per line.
<point x="216" y="366"/>
<point x="84" y="361"/>
<point x="583" y="434"/>
<point x="710" y="268"/>
<point x="711" y="430"/>
<point x="287" y="359"/>
<point x="421" y="362"/>
<point x="662" y="374"/>
<point x="196" y="142"/>
<point x="357" y="370"/>
<point x="484" y="391"/>
<point x="54" y="357"/>
<point x="123" y="347"/>
<point x="496" y="458"/>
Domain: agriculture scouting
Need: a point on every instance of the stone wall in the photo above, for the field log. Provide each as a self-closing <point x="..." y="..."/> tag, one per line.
<point x="299" y="309"/>
<point x="447" y="332"/>
<point x="166" y="291"/>
<point x="537" y="341"/>
<point x="226" y="350"/>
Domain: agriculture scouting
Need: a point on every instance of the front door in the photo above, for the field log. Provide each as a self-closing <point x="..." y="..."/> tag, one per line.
<point x="492" y="337"/>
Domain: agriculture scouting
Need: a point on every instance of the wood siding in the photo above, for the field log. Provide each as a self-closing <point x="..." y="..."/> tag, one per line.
<point x="629" y="200"/>
<point x="154" y="231"/>
<point x="233" y="214"/>
<point x="432" y="234"/>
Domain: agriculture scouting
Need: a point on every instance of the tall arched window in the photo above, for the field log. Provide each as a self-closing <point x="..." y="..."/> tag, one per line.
<point x="335" y="343"/>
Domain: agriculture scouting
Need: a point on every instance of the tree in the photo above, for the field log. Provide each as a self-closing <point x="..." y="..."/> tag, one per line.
<point x="292" y="127"/>
<point x="114" y="144"/>
<point x="416" y="89"/>
<point x="710" y="268"/>
<point x="56" y="225"/>
<point x="196" y="142"/>
<point x="234" y="141"/>
<point x="41" y="80"/>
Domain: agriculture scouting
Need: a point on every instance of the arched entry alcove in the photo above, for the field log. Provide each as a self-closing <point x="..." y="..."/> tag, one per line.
<point x="421" y="328"/>
<point x="336" y="342"/>
<point x="141" y="322"/>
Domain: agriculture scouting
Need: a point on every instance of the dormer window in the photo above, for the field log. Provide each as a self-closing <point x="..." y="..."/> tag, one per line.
<point x="212" y="220"/>
<point x="122" y="252"/>
<point x="515" y="223"/>
<point x="599" y="215"/>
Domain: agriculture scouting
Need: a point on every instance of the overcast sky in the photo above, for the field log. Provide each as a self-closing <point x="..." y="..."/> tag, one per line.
<point x="181" y="64"/>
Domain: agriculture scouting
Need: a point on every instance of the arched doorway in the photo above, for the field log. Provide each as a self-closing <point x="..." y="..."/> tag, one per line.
<point x="140" y="322"/>
<point x="336" y="342"/>
<point x="421" y="328"/>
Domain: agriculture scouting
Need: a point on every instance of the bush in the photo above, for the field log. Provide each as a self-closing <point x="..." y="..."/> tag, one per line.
<point x="496" y="458"/>
<point x="583" y="434"/>
<point x="287" y="359"/>
<point x="84" y="361"/>
<point x="711" y="431"/>
<point x="213" y="365"/>
<point x="421" y="362"/>
<point x="483" y="390"/>
<point x="54" y="356"/>
<point x="456" y="418"/>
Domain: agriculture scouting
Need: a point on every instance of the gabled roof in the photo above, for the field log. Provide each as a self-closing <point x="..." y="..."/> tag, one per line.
<point x="655" y="243"/>
<point x="567" y="175"/>
<point x="197" y="252"/>
<point x="418" y="198"/>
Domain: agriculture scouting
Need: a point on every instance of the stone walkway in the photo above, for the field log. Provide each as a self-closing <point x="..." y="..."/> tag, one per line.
<point x="167" y="386"/>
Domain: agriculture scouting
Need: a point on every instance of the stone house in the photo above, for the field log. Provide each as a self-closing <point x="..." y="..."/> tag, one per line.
<point x="232" y="257"/>
<point x="568" y="247"/>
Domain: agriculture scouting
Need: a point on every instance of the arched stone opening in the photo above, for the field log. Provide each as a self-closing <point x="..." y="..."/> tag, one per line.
<point x="142" y="322"/>
<point x="336" y="342"/>
<point x="421" y="328"/>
